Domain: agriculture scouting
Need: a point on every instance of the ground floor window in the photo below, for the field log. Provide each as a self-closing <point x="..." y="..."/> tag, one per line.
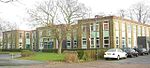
<point x="75" y="44"/>
<point x="123" y="42"/>
<point x="68" y="44"/>
<point x="97" y="42"/>
<point x="84" y="43"/>
<point x="27" y="46"/>
<point x="117" y="42"/>
<point x="106" y="42"/>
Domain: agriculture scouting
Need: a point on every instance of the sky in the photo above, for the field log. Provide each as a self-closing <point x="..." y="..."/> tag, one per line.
<point x="16" y="12"/>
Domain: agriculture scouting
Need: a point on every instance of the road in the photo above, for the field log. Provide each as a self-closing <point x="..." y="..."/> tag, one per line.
<point x="138" y="62"/>
<point x="6" y="60"/>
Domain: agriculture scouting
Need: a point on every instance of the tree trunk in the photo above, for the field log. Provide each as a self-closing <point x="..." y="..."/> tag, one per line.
<point x="60" y="47"/>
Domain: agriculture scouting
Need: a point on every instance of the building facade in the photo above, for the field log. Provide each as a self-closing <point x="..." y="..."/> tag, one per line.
<point x="17" y="39"/>
<point x="99" y="32"/>
<point x="110" y="32"/>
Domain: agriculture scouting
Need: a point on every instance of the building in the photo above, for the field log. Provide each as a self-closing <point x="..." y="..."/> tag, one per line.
<point x="17" y="39"/>
<point x="99" y="32"/>
<point x="110" y="32"/>
<point x="44" y="38"/>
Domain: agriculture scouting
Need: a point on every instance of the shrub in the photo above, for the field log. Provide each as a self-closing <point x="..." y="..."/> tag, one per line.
<point x="49" y="50"/>
<point x="71" y="56"/>
<point x="11" y="50"/>
<point x="101" y="53"/>
<point x="80" y="53"/>
<point x="26" y="53"/>
<point x="87" y="56"/>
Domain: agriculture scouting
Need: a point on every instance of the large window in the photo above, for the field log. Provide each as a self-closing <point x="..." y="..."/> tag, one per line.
<point x="123" y="35"/>
<point x="94" y="35"/>
<point x="139" y="30"/>
<point x="84" y="28"/>
<point x="68" y="44"/>
<point x="117" y="34"/>
<point x="129" y="34"/>
<point x="143" y="31"/>
<point x="134" y="36"/>
<point x="84" y="43"/>
<point x="20" y="35"/>
<point x="75" y="44"/>
<point x="106" y="38"/>
<point x="27" y="35"/>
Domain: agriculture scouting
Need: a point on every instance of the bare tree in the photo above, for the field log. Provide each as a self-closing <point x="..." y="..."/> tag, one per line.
<point x="122" y="13"/>
<point x="59" y="15"/>
<point x="141" y="12"/>
<point x="44" y="14"/>
<point x="7" y="1"/>
<point x="71" y="10"/>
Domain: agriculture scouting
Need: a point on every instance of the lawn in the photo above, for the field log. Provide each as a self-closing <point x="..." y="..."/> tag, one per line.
<point x="45" y="57"/>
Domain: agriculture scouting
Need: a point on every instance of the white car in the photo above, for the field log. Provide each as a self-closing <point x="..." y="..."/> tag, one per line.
<point x="115" y="53"/>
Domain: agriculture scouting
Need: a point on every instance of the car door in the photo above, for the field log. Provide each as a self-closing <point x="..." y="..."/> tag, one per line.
<point x="122" y="54"/>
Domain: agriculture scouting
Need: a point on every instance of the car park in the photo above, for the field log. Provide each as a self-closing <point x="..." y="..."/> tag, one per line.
<point x="142" y="51"/>
<point x="130" y="52"/>
<point x="115" y="53"/>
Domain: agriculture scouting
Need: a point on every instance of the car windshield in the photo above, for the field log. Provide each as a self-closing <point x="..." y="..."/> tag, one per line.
<point x="111" y="50"/>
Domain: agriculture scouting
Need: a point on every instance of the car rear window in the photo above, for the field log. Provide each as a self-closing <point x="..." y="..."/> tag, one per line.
<point x="111" y="50"/>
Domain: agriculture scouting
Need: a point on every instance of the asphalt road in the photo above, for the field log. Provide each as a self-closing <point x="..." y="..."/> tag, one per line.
<point x="7" y="60"/>
<point x="137" y="60"/>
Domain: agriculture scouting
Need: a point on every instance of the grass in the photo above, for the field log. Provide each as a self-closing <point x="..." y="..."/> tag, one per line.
<point x="45" y="57"/>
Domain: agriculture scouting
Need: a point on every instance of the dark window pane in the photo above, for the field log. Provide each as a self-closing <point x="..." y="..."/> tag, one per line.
<point x="106" y="41"/>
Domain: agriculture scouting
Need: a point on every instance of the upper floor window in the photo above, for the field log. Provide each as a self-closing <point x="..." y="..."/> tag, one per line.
<point x="106" y="25"/>
<point x="84" y="28"/>
<point x="27" y="35"/>
<point x="20" y="35"/>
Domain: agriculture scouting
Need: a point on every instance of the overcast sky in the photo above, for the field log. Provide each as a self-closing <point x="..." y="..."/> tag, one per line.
<point x="16" y="11"/>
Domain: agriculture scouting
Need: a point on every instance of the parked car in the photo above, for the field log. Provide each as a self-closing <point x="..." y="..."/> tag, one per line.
<point x="115" y="53"/>
<point x="142" y="51"/>
<point x="130" y="52"/>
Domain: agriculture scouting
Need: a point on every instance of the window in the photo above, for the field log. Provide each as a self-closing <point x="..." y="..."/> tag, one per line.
<point x="92" y="41"/>
<point x="84" y="28"/>
<point x="106" y="41"/>
<point x="20" y="35"/>
<point x="106" y="26"/>
<point x="27" y="35"/>
<point x="117" y="42"/>
<point x="75" y="44"/>
<point x="68" y="43"/>
<point x="97" y="40"/>
<point x="92" y="28"/>
<point x="84" y="43"/>
<point x="123" y="42"/>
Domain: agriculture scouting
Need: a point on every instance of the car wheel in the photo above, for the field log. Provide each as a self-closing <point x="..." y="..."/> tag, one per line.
<point x="106" y="58"/>
<point x="118" y="57"/>
<point x="132" y="56"/>
<point x="143" y="54"/>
